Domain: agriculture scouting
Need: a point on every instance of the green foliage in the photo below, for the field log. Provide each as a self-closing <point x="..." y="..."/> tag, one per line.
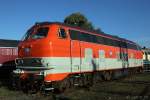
<point x="98" y="30"/>
<point x="78" y="19"/>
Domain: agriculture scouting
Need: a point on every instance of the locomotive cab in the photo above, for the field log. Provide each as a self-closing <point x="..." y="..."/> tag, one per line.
<point x="39" y="52"/>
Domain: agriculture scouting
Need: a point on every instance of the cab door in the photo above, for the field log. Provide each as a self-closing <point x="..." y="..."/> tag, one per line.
<point x="75" y="51"/>
<point x="75" y="56"/>
<point x="124" y="55"/>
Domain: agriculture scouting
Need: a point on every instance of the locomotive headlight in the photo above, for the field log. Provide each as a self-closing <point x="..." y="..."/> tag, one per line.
<point x="45" y="62"/>
<point x="42" y="61"/>
<point x="19" y="61"/>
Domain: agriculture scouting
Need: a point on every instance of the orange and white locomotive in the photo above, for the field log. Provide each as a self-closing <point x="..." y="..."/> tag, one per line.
<point x="54" y="52"/>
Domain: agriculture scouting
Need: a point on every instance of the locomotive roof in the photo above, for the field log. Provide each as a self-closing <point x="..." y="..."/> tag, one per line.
<point x="8" y="43"/>
<point x="92" y="31"/>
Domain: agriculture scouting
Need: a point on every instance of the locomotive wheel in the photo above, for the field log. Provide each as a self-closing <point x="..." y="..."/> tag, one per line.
<point x="107" y="76"/>
<point x="29" y="87"/>
<point x="89" y="79"/>
<point x="81" y="81"/>
<point x="61" y="86"/>
<point x="96" y="77"/>
<point x="24" y="86"/>
<point x="66" y="84"/>
<point x="141" y="70"/>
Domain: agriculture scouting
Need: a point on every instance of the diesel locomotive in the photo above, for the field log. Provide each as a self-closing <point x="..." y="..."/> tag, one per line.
<point x="54" y="55"/>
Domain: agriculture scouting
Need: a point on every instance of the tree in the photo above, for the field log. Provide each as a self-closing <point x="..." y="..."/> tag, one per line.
<point x="98" y="30"/>
<point x="78" y="19"/>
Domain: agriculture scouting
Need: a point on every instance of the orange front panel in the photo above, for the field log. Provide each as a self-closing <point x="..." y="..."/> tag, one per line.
<point x="55" y="77"/>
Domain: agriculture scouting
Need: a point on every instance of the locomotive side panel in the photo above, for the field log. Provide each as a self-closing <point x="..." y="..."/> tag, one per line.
<point x="89" y="57"/>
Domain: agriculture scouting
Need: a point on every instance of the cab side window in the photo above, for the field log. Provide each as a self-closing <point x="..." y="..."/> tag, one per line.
<point x="62" y="33"/>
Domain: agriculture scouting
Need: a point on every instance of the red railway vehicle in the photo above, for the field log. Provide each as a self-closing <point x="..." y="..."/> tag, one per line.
<point x="8" y="54"/>
<point x="56" y="55"/>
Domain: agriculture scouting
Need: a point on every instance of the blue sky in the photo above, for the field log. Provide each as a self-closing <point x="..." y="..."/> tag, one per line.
<point x="129" y="19"/>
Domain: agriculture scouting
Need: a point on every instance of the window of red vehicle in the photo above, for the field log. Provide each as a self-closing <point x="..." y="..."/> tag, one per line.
<point x="40" y="33"/>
